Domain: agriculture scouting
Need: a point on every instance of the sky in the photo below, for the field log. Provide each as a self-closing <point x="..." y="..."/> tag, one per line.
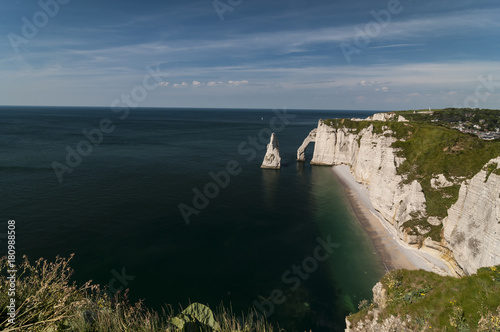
<point x="298" y="54"/>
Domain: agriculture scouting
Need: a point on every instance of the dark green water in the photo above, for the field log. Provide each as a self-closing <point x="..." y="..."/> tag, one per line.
<point x="118" y="210"/>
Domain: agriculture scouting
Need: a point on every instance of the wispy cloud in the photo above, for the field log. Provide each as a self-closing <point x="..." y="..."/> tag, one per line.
<point x="396" y="45"/>
<point x="287" y="52"/>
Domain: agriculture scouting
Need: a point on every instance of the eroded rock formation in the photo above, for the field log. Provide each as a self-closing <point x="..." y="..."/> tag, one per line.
<point x="272" y="158"/>
<point x="301" y="152"/>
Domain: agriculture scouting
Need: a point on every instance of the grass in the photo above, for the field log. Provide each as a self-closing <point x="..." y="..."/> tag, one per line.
<point x="399" y="129"/>
<point x="471" y="303"/>
<point x="412" y="228"/>
<point x="429" y="150"/>
<point x="490" y="168"/>
<point x="47" y="301"/>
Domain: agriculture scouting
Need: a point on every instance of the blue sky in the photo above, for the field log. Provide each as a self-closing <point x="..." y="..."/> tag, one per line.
<point x="263" y="54"/>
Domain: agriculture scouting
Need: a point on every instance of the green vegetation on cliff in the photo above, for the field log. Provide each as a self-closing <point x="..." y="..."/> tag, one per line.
<point x="437" y="303"/>
<point x="430" y="149"/>
<point x="45" y="300"/>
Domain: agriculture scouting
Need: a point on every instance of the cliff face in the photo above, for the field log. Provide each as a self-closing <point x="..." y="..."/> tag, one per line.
<point x="472" y="228"/>
<point x="373" y="162"/>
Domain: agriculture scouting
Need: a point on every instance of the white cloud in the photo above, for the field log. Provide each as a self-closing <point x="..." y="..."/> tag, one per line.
<point x="360" y="99"/>
<point x="209" y="84"/>
<point x="236" y="83"/>
<point x="369" y="83"/>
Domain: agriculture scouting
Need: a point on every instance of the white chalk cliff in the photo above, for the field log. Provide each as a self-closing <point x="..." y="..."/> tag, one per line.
<point x="272" y="158"/>
<point x="471" y="230"/>
<point x="373" y="162"/>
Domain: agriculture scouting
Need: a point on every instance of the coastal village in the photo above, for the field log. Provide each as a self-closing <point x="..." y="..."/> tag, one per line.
<point x="478" y="131"/>
<point x="482" y="123"/>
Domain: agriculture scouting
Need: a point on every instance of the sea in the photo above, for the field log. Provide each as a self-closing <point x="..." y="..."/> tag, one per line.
<point x="172" y="204"/>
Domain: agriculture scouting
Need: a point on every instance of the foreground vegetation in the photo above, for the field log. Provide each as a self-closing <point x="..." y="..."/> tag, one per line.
<point x="47" y="301"/>
<point x="437" y="303"/>
<point x="430" y="149"/>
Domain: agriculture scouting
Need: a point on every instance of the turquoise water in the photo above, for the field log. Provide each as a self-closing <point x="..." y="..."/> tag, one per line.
<point x="255" y="241"/>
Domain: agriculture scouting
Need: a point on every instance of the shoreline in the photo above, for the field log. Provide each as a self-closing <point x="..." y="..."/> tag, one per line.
<point x="394" y="253"/>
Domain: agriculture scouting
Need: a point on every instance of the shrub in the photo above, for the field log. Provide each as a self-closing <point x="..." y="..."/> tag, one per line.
<point x="47" y="301"/>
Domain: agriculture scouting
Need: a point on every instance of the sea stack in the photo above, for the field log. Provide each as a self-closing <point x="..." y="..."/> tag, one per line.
<point x="272" y="160"/>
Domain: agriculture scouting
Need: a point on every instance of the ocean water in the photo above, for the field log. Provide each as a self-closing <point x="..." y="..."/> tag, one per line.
<point x="259" y="236"/>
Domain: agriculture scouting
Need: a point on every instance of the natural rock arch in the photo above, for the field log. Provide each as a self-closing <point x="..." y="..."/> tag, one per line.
<point x="301" y="152"/>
